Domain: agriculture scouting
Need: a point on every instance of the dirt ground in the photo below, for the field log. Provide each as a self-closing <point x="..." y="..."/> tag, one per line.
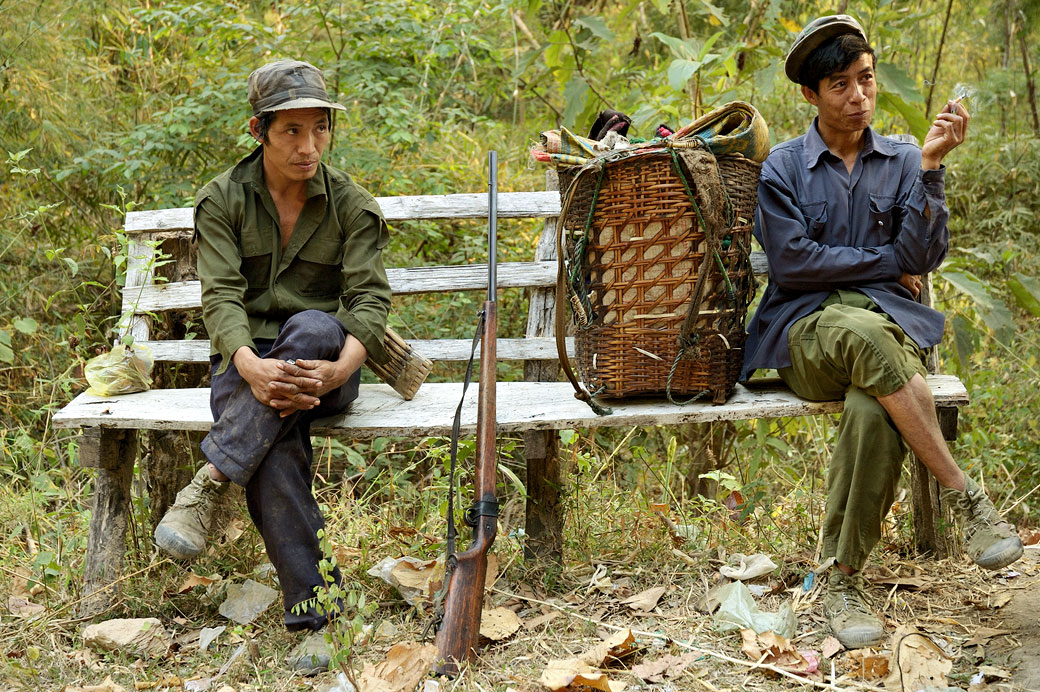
<point x="1022" y="617"/>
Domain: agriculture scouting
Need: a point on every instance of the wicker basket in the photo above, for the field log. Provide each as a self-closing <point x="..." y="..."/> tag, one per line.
<point x="634" y="271"/>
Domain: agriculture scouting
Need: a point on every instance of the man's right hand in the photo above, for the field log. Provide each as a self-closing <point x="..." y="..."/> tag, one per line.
<point x="912" y="283"/>
<point x="265" y="377"/>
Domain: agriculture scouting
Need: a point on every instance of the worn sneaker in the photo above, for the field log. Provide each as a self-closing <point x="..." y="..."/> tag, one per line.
<point x="312" y="656"/>
<point x="851" y="621"/>
<point x="183" y="529"/>
<point x="989" y="541"/>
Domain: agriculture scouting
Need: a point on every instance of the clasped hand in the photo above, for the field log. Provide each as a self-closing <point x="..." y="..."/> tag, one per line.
<point x="285" y="386"/>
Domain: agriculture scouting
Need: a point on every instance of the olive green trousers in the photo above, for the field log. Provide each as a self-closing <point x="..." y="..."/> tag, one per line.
<point x="849" y="349"/>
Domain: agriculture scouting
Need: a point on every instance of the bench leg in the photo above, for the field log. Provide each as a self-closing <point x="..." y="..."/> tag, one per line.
<point x="931" y="521"/>
<point x="544" y="518"/>
<point x="113" y="453"/>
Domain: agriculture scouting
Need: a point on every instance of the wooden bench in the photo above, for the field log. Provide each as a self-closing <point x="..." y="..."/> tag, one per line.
<point x="536" y="406"/>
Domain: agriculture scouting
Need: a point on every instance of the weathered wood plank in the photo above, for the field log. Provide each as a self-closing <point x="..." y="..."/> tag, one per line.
<point x="521" y="406"/>
<point x="186" y="295"/>
<point x="109" y="518"/>
<point x="450" y="350"/>
<point x="403" y="208"/>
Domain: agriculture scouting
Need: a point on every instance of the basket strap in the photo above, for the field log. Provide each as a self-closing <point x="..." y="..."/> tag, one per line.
<point x="580" y="393"/>
<point x="713" y="241"/>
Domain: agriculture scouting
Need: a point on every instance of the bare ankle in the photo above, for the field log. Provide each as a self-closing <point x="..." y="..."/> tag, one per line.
<point x="216" y="474"/>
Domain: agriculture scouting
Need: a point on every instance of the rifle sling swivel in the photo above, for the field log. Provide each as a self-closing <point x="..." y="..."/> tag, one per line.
<point x="481" y="509"/>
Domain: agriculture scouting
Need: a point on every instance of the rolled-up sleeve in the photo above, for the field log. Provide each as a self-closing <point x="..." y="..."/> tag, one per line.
<point x="799" y="263"/>
<point x="924" y="238"/>
<point x="365" y="302"/>
<point x="223" y="286"/>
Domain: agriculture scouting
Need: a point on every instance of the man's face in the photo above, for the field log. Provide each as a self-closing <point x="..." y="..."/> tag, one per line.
<point x="295" y="142"/>
<point x="846" y="99"/>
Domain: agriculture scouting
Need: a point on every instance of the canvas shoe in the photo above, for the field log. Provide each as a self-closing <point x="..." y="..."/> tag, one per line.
<point x="851" y="621"/>
<point x="183" y="529"/>
<point x="312" y="656"/>
<point x="989" y="541"/>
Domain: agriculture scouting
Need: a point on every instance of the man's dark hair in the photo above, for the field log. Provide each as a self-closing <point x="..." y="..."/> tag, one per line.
<point x="833" y="55"/>
<point x="265" y="120"/>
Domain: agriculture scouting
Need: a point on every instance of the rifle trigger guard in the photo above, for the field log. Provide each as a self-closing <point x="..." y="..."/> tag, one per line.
<point x="480" y="509"/>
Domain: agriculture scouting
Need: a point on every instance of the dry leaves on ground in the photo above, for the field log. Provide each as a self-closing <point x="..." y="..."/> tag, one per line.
<point x="404" y="666"/>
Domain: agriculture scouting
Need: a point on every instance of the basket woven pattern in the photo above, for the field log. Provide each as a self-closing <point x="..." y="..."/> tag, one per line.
<point x="639" y="273"/>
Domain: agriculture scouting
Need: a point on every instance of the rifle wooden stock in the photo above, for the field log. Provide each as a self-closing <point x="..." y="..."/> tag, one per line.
<point x="459" y="633"/>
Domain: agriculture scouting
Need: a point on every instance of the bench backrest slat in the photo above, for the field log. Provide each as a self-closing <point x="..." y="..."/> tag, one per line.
<point x="523" y="205"/>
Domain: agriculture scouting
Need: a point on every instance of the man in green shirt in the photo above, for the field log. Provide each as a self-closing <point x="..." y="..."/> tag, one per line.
<point x="294" y="298"/>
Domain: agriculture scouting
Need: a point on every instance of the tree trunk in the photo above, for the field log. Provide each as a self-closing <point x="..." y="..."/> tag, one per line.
<point x="1030" y="84"/>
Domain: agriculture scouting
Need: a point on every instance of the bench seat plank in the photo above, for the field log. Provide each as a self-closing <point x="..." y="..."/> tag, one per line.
<point x="380" y="411"/>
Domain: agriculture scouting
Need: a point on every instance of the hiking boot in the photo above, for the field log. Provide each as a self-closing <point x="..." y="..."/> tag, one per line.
<point x="851" y="621"/>
<point x="312" y="656"/>
<point x="183" y="529"/>
<point x="989" y="541"/>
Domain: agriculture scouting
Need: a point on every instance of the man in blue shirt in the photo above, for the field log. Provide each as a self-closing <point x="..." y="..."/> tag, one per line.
<point x="849" y="221"/>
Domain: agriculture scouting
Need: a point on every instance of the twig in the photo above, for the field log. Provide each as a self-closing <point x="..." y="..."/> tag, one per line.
<point x="753" y="665"/>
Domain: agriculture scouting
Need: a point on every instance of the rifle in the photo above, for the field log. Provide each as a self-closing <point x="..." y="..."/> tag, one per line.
<point x="465" y="572"/>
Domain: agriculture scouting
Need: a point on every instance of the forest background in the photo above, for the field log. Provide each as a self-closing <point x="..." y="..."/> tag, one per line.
<point x="108" y="105"/>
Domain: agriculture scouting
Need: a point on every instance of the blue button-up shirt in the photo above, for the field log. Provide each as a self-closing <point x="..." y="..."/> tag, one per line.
<point x="823" y="228"/>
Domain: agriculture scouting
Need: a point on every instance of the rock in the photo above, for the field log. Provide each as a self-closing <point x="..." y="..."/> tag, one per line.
<point x="144" y="637"/>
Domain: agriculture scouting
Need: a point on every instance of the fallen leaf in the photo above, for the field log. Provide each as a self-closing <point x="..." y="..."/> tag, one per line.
<point x="1029" y="536"/>
<point x="983" y="634"/>
<point x="645" y="601"/>
<point x="164" y="683"/>
<point x="868" y="665"/>
<point x="537" y="622"/>
<point x="667" y="666"/>
<point x="617" y="646"/>
<point x="771" y="648"/>
<point x="492" y="571"/>
<point x="575" y="673"/>
<point x="235" y="528"/>
<point x="829" y="647"/>
<point x="20" y="583"/>
<point x="990" y="601"/>
<point x="917" y="662"/>
<point x="994" y="673"/>
<point x="22" y="607"/>
<point x="497" y="624"/>
<point x="404" y="666"/>
<point x="194" y="580"/>
<point x="414" y="574"/>
<point x="107" y="685"/>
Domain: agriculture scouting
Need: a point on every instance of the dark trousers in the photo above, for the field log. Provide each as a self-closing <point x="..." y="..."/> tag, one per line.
<point x="271" y="456"/>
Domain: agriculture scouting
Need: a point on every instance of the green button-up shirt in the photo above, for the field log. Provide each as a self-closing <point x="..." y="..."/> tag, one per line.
<point x="333" y="261"/>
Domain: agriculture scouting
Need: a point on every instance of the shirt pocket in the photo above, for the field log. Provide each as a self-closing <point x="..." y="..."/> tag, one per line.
<point x="318" y="268"/>
<point x="885" y="217"/>
<point x="257" y="255"/>
<point x="815" y="219"/>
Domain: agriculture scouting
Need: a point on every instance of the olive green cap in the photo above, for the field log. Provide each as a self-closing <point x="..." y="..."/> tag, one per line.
<point x="815" y="33"/>
<point x="285" y="84"/>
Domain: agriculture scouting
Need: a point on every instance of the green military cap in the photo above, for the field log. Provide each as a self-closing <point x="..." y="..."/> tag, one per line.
<point x="285" y="84"/>
<point x="815" y="33"/>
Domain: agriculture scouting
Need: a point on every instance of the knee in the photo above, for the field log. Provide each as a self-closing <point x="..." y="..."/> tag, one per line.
<point x="866" y="410"/>
<point x="316" y="334"/>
